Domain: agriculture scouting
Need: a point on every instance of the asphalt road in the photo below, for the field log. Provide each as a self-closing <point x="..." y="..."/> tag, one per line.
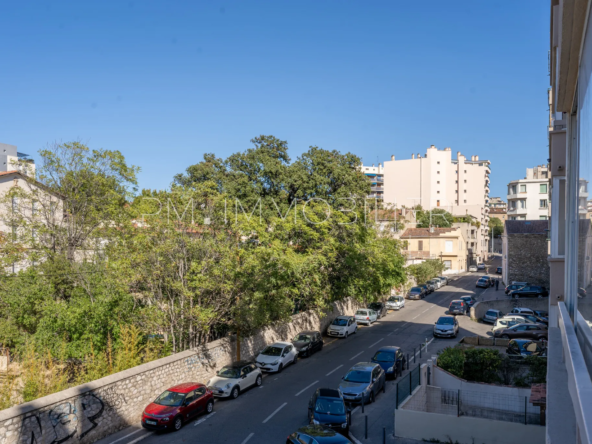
<point x="270" y="413"/>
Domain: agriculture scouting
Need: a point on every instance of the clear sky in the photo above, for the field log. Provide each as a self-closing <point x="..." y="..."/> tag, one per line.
<point x="166" y="81"/>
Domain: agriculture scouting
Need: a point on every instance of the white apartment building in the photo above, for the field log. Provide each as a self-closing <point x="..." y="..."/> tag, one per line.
<point x="498" y="203"/>
<point x="528" y="198"/>
<point x="376" y="177"/>
<point x="10" y="157"/>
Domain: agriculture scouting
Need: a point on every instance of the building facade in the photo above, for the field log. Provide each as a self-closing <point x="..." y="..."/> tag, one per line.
<point x="528" y="198"/>
<point x="11" y="159"/>
<point x="375" y="175"/>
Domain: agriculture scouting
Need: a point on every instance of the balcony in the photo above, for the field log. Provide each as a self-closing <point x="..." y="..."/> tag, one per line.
<point x="515" y="211"/>
<point x="377" y="188"/>
<point x="375" y="196"/>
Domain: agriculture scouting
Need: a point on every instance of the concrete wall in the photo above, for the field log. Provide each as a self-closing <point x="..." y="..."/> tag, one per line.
<point x="91" y="411"/>
<point x="465" y="430"/>
<point x="527" y="259"/>
<point x="506" y="305"/>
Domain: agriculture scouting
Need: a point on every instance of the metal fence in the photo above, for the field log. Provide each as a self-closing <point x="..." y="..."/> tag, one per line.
<point x="476" y="404"/>
<point x="407" y="384"/>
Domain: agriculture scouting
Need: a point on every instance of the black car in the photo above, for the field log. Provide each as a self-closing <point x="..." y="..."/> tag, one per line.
<point x="327" y="407"/>
<point x="308" y="342"/>
<point x="541" y="313"/>
<point x="530" y="291"/>
<point x="317" y="434"/>
<point x="498" y="270"/>
<point x="468" y="300"/>
<point x="457" y="307"/>
<point x="415" y="293"/>
<point x="391" y="359"/>
<point x="513" y="287"/>
<point x="379" y="308"/>
<point x="526" y="347"/>
<point x="426" y="290"/>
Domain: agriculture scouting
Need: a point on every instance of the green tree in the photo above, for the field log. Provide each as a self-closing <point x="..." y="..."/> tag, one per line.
<point x="497" y="226"/>
<point x="426" y="270"/>
<point x="433" y="218"/>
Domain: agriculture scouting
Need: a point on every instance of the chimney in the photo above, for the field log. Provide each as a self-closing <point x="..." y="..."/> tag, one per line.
<point x="372" y="165"/>
<point x="477" y="158"/>
<point x="413" y="156"/>
<point x="433" y="146"/>
<point x="418" y="156"/>
<point x="393" y="157"/>
<point x="447" y="149"/>
<point x="458" y="154"/>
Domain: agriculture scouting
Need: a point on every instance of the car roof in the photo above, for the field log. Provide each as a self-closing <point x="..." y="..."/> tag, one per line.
<point x="389" y="348"/>
<point x="493" y="309"/>
<point x="456" y="300"/>
<point x="281" y="344"/>
<point x="446" y="317"/>
<point x="364" y="366"/>
<point x="329" y="393"/>
<point x="186" y="387"/>
<point x="239" y="364"/>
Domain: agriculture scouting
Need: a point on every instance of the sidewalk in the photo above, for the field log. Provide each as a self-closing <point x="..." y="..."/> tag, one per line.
<point x="381" y="413"/>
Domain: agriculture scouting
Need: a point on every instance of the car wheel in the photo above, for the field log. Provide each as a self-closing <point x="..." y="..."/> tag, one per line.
<point x="234" y="393"/>
<point x="371" y="400"/>
<point x="296" y="359"/>
<point x="178" y="423"/>
<point x="280" y="368"/>
<point x="259" y="381"/>
<point x="210" y="407"/>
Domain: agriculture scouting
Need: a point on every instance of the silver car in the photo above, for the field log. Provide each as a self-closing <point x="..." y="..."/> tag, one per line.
<point x="446" y="326"/>
<point x="395" y="302"/>
<point x="362" y="383"/>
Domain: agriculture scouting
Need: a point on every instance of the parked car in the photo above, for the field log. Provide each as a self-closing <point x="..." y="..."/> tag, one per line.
<point x="317" y="434"/>
<point x="426" y="290"/>
<point x="177" y="405"/>
<point x="530" y="291"/>
<point x="508" y="321"/>
<point x="444" y="279"/>
<point x="231" y="380"/>
<point x="498" y="270"/>
<point x="436" y="283"/>
<point x="483" y="283"/>
<point x="513" y="287"/>
<point x="468" y="300"/>
<point x="387" y="357"/>
<point x="277" y="356"/>
<point x="379" y="308"/>
<point x="342" y="327"/>
<point x="327" y="407"/>
<point x="541" y="313"/>
<point x="415" y="293"/>
<point x="457" y="307"/>
<point x="521" y="310"/>
<point x="492" y="315"/>
<point x="395" y="303"/>
<point x="473" y="268"/>
<point x="363" y="381"/>
<point x="308" y="342"/>
<point x="366" y="316"/>
<point x="524" y="331"/>
<point x="491" y="282"/>
<point x="481" y="266"/>
<point x="446" y="326"/>
<point x="526" y="347"/>
<point x="431" y="286"/>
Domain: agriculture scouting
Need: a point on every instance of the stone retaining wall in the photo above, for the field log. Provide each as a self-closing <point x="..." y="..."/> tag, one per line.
<point x="507" y="305"/>
<point x="89" y="412"/>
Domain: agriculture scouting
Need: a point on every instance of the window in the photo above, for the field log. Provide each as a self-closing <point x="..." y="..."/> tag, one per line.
<point x="438" y="182"/>
<point x="456" y="191"/>
<point x="543" y="203"/>
<point x="15" y="204"/>
<point x="523" y="203"/>
<point x="513" y="204"/>
<point x="465" y="171"/>
<point x="437" y="192"/>
<point x="543" y="188"/>
<point x="448" y="265"/>
<point x="438" y="172"/>
<point x="465" y="180"/>
<point x="438" y="162"/>
<point x="448" y="246"/>
<point x="420" y="245"/>
<point x="438" y="202"/>
<point x="523" y="188"/>
<point x="34" y="208"/>
<point x="465" y="191"/>
<point x="465" y="201"/>
<point x="542" y="217"/>
<point x="456" y="201"/>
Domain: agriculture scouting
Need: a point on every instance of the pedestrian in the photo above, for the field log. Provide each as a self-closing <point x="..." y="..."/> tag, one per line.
<point x="496" y="284"/>
<point x="399" y="367"/>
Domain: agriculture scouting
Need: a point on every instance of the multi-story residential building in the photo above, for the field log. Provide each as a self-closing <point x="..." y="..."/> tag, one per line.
<point x="11" y="159"/>
<point x="497" y="203"/>
<point x="569" y="368"/>
<point x="445" y="244"/>
<point x="376" y="177"/>
<point x="528" y="198"/>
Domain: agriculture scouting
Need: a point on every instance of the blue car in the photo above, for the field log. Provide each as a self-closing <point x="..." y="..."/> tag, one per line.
<point x="387" y="357"/>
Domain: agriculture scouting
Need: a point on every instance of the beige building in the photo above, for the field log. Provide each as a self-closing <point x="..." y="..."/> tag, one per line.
<point x="446" y="244"/>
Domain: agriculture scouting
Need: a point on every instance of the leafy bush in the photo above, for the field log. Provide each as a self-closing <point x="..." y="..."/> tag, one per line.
<point x="482" y="365"/>
<point x="452" y="360"/>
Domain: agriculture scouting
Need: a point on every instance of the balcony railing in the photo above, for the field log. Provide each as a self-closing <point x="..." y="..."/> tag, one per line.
<point x="377" y="188"/>
<point x="577" y="355"/>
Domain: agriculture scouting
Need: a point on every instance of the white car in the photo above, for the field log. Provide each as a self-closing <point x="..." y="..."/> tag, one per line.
<point x="235" y="378"/>
<point x="395" y="303"/>
<point x="481" y="266"/>
<point x="522" y="310"/>
<point x="366" y="316"/>
<point x="509" y="320"/>
<point x="342" y="326"/>
<point x="276" y="357"/>
<point x="473" y="268"/>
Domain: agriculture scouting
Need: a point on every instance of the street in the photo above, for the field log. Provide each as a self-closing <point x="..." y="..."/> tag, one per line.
<point x="279" y="407"/>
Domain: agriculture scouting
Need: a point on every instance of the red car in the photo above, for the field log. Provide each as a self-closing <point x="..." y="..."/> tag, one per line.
<point x="178" y="405"/>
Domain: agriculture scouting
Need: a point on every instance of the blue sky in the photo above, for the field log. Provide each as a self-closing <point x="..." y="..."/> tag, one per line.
<point x="166" y="81"/>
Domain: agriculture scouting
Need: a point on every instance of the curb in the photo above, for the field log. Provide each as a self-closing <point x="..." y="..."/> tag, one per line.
<point x="353" y="438"/>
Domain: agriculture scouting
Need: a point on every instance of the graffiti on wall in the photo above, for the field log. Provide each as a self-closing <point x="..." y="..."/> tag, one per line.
<point x="198" y="361"/>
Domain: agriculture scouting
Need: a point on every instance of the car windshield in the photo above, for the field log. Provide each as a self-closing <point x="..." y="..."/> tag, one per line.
<point x="270" y="350"/>
<point x="329" y="406"/>
<point x="392" y="299"/>
<point x="362" y="312"/>
<point x="491" y="313"/>
<point x="456" y="304"/>
<point x="445" y="321"/>
<point x="170" y="398"/>
<point x="382" y="356"/>
<point x="415" y="290"/>
<point x="302" y="338"/>
<point x="228" y="372"/>
<point x="375" y="306"/>
<point x="339" y="322"/>
<point x="357" y="376"/>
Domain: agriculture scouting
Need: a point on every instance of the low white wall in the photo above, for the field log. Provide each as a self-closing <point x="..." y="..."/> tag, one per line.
<point x="465" y="430"/>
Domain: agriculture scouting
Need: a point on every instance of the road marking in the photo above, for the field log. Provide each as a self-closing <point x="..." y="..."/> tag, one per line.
<point x="276" y="410"/>
<point x="126" y="436"/>
<point x="422" y="313"/>
<point x="354" y="357"/>
<point x="334" y="370"/>
<point x="376" y="342"/>
<point x="247" y="438"/>
<point x="331" y="342"/>
<point x="306" y="388"/>
<point x="140" y="438"/>
<point x="204" y="419"/>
